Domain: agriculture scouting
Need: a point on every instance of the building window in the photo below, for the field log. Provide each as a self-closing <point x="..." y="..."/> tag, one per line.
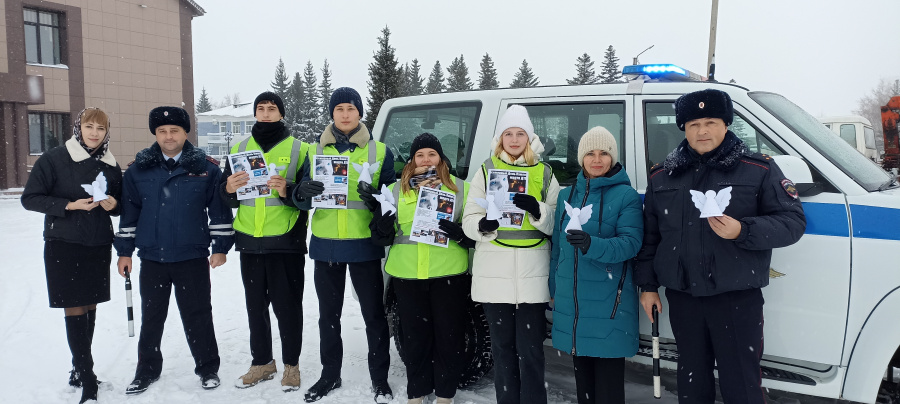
<point x="248" y="127"/>
<point x="42" y="44"/>
<point x="223" y="127"/>
<point x="236" y="127"/>
<point x="46" y="131"/>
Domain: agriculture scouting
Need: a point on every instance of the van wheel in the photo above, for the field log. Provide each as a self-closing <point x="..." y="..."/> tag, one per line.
<point x="478" y="339"/>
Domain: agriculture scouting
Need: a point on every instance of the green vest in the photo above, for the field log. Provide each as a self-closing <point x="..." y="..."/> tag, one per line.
<point x="539" y="177"/>
<point x="353" y="222"/>
<point x="412" y="260"/>
<point x="269" y="216"/>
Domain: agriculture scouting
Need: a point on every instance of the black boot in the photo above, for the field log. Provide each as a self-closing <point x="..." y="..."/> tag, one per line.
<point x="77" y="331"/>
<point x="74" y="376"/>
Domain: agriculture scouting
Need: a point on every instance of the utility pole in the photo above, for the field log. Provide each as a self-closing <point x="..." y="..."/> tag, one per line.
<point x="711" y="58"/>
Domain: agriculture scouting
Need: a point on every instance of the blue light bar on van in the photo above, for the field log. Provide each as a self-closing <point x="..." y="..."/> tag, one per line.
<point x="668" y="72"/>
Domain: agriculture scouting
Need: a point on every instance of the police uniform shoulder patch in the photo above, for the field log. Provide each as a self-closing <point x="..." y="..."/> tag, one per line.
<point x="212" y="160"/>
<point x="789" y="187"/>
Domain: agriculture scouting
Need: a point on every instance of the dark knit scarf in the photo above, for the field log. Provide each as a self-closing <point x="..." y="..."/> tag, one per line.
<point x="425" y="176"/>
<point x="341" y="137"/>
<point x="724" y="157"/>
<point x="268" y="134"/>
<point x="97" y="152"/>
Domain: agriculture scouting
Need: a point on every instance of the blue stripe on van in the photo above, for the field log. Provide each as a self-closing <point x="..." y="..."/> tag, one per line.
<point x="875" y="222"/>
<point x="826" y="219"/>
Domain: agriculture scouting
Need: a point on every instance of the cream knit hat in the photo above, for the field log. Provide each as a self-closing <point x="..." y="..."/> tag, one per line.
<point x="516" y="116"/>
<point x="598" y="138"/>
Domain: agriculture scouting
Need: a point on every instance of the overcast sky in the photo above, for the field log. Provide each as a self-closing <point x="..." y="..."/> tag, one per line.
<point x="824" y="55"/>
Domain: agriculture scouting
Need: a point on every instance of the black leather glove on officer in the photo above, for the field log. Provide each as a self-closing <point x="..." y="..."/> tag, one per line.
<point x="384" y="224"/>
<point x="579" y="239"/>
<point x="487" y="226"/>
<point x="308" y="189"/>
<point x="529" y="204"/>
<point x="366" y="192"/>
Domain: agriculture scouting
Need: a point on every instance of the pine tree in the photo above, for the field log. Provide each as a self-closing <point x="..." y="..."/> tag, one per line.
<point x="293" y="105"/>
<point x="584" y="71"/>
<point x="282" y="82"/>
<point x="384" y="78"/>
<point x="324" y="98"/>
<point x="611" y="72"/>
<point x="404" y="80"/>
<point x="308" y="106"/>
<point x="487" y="76"/>
<point x="458" y="75"/>
<point x="435" y="80"/>
<point x="203" y="104"/>
<point x="414" y="79"/>
<point x="524" y="77"/>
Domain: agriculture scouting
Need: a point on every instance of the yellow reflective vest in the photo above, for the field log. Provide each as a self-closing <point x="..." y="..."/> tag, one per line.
<point x="412" y="260"/>
<point x="269" y="216"/>
<point x="539" y="177"/>
<point x="353" y="222"/>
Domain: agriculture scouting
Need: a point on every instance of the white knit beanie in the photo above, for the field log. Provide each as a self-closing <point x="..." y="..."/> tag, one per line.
<point x="516" y="116"/>
<point x="598" y="138"/>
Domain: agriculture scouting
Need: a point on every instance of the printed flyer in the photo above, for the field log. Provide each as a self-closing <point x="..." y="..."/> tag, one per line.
<point x="331" y="171"/>
<point x="254" y="163"/>
<point x="432" y="206"/>
<point x="503" y="185"/>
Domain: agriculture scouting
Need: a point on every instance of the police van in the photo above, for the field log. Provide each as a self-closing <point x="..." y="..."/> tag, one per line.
<point x="831" y="326"/>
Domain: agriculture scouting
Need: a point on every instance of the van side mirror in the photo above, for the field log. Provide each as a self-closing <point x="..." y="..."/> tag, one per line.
<point x="796" y="170"/>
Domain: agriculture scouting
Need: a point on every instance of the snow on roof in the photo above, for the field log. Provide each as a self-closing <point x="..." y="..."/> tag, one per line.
<point x="198" y="11"/>
<point x="244" y="110"/>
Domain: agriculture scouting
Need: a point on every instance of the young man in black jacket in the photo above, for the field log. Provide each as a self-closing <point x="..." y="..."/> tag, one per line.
<point x="713" y="268"/>
<point x="172" y="212"/>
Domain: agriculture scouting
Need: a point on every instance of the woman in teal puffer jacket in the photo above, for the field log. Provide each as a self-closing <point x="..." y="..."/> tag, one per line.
<point x="595" y="315"/>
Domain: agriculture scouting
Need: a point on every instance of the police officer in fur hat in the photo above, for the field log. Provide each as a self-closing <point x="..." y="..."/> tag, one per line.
<point x="713" y="267"/>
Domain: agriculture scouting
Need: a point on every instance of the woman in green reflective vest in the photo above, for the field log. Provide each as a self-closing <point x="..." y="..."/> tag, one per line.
<point x="512" y="264"/>
<point x="430" y="281"/>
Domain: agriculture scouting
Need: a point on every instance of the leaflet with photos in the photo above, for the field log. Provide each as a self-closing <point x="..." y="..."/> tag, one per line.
<point x="333" y="172"/>
<point x="253" y="163"/>
<point x="504" y="185"/>
<point x="432" y="206"/>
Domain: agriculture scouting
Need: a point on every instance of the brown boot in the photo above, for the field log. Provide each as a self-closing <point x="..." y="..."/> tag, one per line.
<point x="256" y="374"/>
<point x="418" y="400"/>
<point x="290" y="379"/>
<point x="442" y="400"/>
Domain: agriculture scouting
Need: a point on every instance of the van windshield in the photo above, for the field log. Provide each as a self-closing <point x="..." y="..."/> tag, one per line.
<point x="851" y="162"/>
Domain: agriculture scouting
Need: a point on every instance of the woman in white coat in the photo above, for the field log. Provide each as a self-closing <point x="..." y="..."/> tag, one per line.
<point x="511" y="265"/>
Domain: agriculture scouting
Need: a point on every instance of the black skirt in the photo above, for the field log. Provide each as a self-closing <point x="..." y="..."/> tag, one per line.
<point x="77" y="275"/>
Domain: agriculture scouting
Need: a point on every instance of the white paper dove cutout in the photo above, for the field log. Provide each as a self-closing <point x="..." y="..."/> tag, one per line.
<point x="97" y="189"/>
<point x="577" y="216"/>
<point x="386" y="198"/>
<point x="493" y="212"/>
<point x="710" y="203"/>
<point x="366" y="171"/>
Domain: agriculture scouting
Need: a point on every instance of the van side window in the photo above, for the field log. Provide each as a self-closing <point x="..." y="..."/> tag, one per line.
<point x="870" y="137"/>
<point x="662" y="134"/>
<point x="453" y="124"/>
<point x="560" y="127"/>
<point x="848" y="133"/>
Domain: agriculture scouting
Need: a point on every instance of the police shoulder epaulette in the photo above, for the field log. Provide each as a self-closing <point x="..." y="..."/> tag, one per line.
<point x="765" y="158"/>
<point x="656" y="166"/>
<point x="129" y="164"/>
<point x="212" y="160"/>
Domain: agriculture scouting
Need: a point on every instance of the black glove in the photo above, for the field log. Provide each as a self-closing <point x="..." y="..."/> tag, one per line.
<point x="453" y="229"/>
<point x="366" y="191"/>
<point x="308" y="189"/>
<point x="487" y="226"/>
<point x="579" y="239"/>
<point x="384" y="224"/>
<point x="529" y="204"/>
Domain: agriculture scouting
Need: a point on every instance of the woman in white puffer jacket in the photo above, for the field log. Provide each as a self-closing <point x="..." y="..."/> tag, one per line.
<point x="511" y="266"/>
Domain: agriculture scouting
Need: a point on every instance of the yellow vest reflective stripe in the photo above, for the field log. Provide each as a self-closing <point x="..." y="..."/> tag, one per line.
<point x="412" y="260"/>
<point x="353" y="222"/>
<point x="539" y="177"/>
<point x="269" y="216"/>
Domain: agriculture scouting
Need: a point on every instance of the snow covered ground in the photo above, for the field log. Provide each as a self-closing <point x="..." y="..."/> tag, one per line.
<point x="35" y="359"/>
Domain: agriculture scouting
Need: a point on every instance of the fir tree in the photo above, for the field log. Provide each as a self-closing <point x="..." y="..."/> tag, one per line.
<point x="487" y="76"/>
<point x="524" y="77"/>
<point x="308" y="106"/>
<point x="282" y="82"/>
<point x="610" y="72"/>
<point x="458" y="75"/>
<point x="414" y="79"/>
<point x="203" y="105"/>
<point x="293" y="105"/>
<point x="435" y="80"/>
<point x="404" y="80"/>
<point x="384" y="78"/>
<point x="324" y="98"/>
<point x="584" y="71"/>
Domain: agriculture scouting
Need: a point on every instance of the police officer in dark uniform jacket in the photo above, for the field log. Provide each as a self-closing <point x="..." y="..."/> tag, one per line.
<point x="713" y="268"/>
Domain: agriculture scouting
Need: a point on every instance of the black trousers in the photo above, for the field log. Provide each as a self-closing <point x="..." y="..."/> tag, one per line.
<point x="433" y="323"/>
<point x="368" y="281"/>
<point x="276" y="279"/>
<point x="192" y="294"/>
<point x="517" y="343"/>
<point x="724" y="331"/>
<point x="599" y="380"/>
